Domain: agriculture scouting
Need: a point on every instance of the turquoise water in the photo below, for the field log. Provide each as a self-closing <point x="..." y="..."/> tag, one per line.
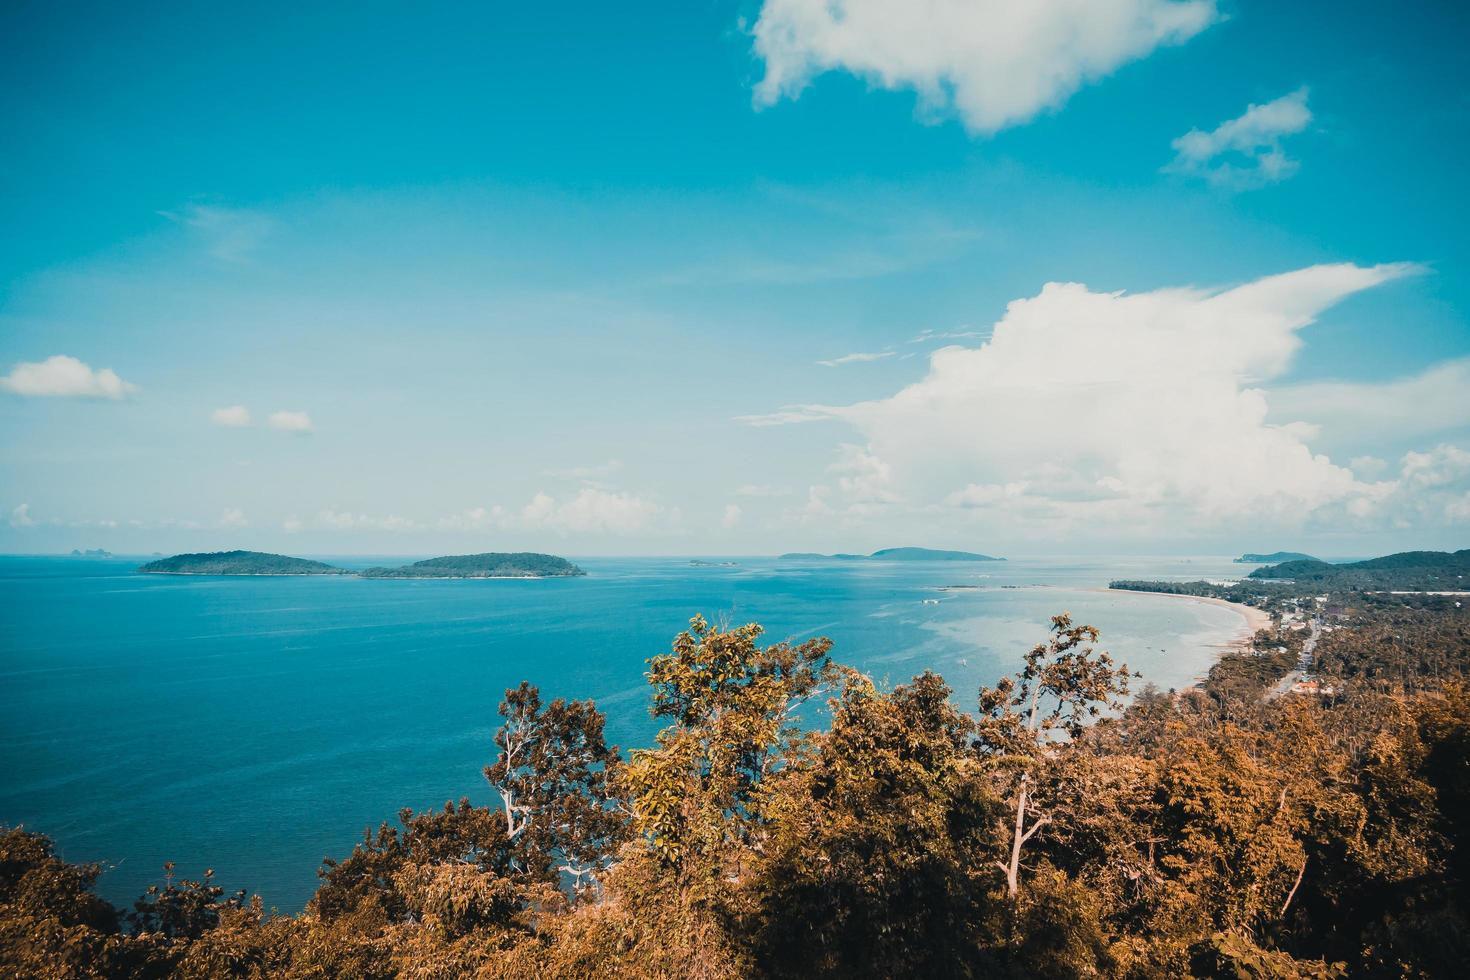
<point x="256" y="725"/>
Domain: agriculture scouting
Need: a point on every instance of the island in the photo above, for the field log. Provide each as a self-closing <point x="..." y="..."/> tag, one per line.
<point x="239" y="563"/>
<point x="91" y="553"/>
<point x="702" y="563"/>
<point x="494" y="564"/>
<point x="893" y="554"/>
<point x="1251" y="558"/>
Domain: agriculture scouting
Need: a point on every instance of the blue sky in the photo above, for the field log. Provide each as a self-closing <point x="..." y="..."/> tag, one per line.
<point x="371" y="280"/>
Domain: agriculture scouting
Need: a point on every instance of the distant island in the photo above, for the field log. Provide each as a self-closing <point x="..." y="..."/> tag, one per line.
<point x="895" y="554"/>
<point x="1250" y="558"/>
<point x="90" y="553"/>
<point x="238" y="563"/>
<point x="520" y="564"/>
<point x="702" y="563"/>
<point x="1426" y="571"/>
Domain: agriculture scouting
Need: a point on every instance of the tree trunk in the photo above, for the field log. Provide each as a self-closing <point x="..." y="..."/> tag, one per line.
<point x="1013" y="870"/>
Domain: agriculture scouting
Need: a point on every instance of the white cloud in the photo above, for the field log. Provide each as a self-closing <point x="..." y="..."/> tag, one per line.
<point x="1245" y="152"/>
<point x="233" y="417"/>
<point x="233" y="517"/>
<point x="856" y="358"/>
<point x="732" y="516"/>
<point x="1434" y="401"/>
<point x="1367" y="467"/>
<point x="337" y="520"/>
<point x="1091" y="410"/>
<point x="994" y="63"/>
<point x="65" y="377"/>
<point x="1432" y="489"/>
<point x="21" y="516"/>
<point x="592" y="510"/>
<point x="863" y="478"/>
<point x="290" y="421"/>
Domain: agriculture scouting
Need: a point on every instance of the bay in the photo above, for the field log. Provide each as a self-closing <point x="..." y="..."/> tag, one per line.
<point x="256" y="725"/>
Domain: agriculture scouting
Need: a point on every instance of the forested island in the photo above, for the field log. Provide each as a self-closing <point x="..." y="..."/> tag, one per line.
<point x="238" y="563"/>
<point x="494" y="564"/>
<point x="1061" y="823"/>
<point x="894" y="554"/>
<point x="1251" y="558"/>
<point x="522" y="564"/>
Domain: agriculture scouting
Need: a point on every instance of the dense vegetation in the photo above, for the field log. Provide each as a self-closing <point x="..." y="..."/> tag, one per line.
<point x="495" y="564"/>
<point x="897" y="554"/>
<point x="238" y="563"/>
<point x="1044" y="833"/>
<point x="1274" y="557"/>
<point x="1409" y="570"/>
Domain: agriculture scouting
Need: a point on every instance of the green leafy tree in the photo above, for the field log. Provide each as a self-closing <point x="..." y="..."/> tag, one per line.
<point x="733" y="707"/>
<point x="1064" y="684"/>
<point x="555" y="774"/>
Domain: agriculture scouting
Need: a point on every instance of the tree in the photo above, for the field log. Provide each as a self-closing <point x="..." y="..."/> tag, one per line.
<point x="867" y="868"/>
<point x="733" y="706"/>
<point x="554" y="776"/>
<point x="1063" y="686"/>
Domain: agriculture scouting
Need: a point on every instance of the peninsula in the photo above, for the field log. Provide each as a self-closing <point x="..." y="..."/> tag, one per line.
<point x="1406" y="571"/>
<point x="1251" y="558"/>
<point x="238" y="563"/>
<point x="895" y="554"/>
<point x="495" y="564"/>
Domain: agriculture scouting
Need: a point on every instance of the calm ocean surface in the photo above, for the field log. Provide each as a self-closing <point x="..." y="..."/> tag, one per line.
<point x="255" y="725"/>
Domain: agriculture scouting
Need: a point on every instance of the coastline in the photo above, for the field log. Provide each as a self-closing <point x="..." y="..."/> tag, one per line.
<point x="1252" y="619"/>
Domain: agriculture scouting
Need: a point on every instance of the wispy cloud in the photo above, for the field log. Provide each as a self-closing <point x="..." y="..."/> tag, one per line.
<point x="21" y="516"/>
<point x="290" y="421"/>
<point x="859" y="357"/>
<point x="235" y="416"/>
<point x="600" y="471"/>
<point x="1433" y="402"/>
<point x="1245" y="152"/>
<point x="925" y="336"/>
<point x="65" y="377"/>
<point x="790" y="415"/>
<point x="228" y="234"/>
<point x="761" y="490"/>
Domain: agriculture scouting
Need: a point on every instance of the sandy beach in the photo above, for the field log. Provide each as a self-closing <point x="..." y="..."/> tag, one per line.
<point x="1252" y="619"/>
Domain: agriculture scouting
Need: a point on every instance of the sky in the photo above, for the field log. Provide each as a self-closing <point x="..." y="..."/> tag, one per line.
<point x="1064" y="277"/>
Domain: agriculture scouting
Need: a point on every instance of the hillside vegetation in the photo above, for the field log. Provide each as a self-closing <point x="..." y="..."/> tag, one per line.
<point x="1408" y="570"/>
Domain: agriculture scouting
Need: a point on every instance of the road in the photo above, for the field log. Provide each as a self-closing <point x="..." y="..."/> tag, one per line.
<point x="1303" y="662"/>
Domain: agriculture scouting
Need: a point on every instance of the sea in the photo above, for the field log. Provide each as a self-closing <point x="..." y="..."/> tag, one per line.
<point x="257" y="725"/>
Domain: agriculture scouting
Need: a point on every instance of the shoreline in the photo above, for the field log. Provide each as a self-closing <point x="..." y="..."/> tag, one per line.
<point x="1253" y="619"/>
